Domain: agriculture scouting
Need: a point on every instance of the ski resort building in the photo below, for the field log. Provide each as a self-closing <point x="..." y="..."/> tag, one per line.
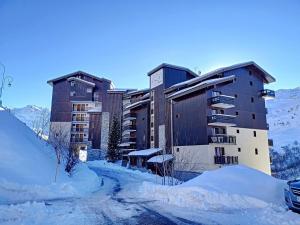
<point x="205" y="122"/>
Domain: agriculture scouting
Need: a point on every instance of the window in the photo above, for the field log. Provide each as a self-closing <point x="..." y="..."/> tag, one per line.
<point x="256" y="151"/>
<point x="152" y="125"/>
<point x="216" y="93"/>
<point x="151" y="138"/>
<point x="239" y="149"/>
<point x="254" y="133"/>
<point x="251" y="83"/>
<point x="221" y="111"/>
<point x="252" y="99"/>
<point x="177" y="149"/>
<point x="238" y="131"/>
<point x="234" y="79"/>
<point x="143" y="118"/>
<point x="151" y="111"/>
<point x="72" y="83"/>
<point x="237" y="113"/>
<point x="177" y="115"/>
<point x="235" y="95"/>
<point x="250" y="72"/>
<point x="72" y="93"/>
<point x="89" y="90"/>
<point x="253" y="116"/>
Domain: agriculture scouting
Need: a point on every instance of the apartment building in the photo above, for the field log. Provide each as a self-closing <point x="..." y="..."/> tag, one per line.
<point x="205" y="121"/>
<point x="83" y="106"/>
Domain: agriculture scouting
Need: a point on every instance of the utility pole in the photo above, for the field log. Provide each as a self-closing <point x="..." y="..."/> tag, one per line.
<point x="4" y="80"/>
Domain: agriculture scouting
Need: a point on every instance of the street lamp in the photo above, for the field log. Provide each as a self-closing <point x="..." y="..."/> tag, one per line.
<point x="5" y="80"/>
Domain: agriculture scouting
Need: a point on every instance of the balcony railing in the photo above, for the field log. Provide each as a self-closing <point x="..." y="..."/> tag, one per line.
<point x="129" y="139"/>
<point x="79" y="140"/>
<point x="221" y="120"/>
<point x="79" y="130"/>
<point x="222" y="139"/>
<point x="129" y="127"/>
<point x="80" y="119"/>
<point x="267" y="94"/>
<point x="129" y="116"/>
<point x="223" y="160"/>
<point x="221" y="101"/>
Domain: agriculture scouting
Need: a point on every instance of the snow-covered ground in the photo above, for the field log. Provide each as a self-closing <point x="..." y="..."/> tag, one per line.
<point x="28" y="166"/>
<point x="232" y="195"/>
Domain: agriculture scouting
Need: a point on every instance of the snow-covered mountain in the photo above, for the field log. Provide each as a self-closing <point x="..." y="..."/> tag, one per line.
<point x="284" y="123"/>
<point x="284" y="118"/>
<point x="33" y="117"/>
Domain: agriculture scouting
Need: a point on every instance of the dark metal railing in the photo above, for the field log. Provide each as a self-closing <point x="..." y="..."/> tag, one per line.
<point x="221" y="99"/>
<point x="219" y="118"/>
<point x="267" y="93"/>
<point x="220" y="138"/>
<point x="226" y="160"/>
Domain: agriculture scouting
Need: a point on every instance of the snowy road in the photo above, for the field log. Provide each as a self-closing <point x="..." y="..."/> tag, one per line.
<point x="120" y="201"/>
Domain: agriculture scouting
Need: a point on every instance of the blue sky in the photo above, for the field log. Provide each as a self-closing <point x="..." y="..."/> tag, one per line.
<point x="123" y="40"/>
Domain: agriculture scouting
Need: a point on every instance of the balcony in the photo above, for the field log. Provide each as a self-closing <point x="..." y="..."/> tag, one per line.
<point x="226" y="160"/>
<point x="80" y="130"/>
<point x="221" y="120"/>
<point x="79" y="140"/>
<point x="221" y="101"/>
<point x="267" y="94"/>
<point x="129" y="116"/>
<point x="129" y="139"/>
<point x="129" y="127"/>
<point x="80" y="119"/>
<point x="222" y="139"/>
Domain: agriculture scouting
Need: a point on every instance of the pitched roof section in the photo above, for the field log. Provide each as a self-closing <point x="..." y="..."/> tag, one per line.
<point x="267" y="77"/>
<point x="172" y="67"/>
<point x="200" y="86"/>
<point x="77" y="73"/>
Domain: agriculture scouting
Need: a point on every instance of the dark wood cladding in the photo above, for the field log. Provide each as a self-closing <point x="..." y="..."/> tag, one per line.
<point x="142" y="127"/>
<point x="61" y="106"/>
<point x="113" y="104"/>
<point x="95" y="130"/>
<point x="189" y="121"/>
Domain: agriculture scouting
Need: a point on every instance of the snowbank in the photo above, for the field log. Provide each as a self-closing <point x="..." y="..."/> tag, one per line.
<point x="233" y="187"/>
<point x="28" y="164"/>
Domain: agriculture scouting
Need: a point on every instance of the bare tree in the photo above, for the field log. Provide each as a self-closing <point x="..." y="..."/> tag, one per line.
<point x="71" y="158"/>
<point x="41" y="123"/>
<point x="60" y="140"/>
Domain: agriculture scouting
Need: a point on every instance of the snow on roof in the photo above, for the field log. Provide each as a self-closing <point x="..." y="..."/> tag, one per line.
<point x="81" y="80"/>
<point x="136" y="104"/>
<point x="200" y="86"/>
<point x="161" y="158"/>
<point x="77" y="73"/>
<point x="173" y="67"/>
<point x="120" y="90"/>
<point x="146" y="152"/>
<point x="268" y="77"/>
<point x="146" y="90"/>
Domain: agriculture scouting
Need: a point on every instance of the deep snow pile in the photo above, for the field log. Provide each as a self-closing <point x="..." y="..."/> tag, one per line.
<point x="233" y="187"/>
<point x="28" y="164"/>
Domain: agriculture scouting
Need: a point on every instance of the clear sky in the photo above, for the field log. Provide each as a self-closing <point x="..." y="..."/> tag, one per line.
<point x="123" y="40"/>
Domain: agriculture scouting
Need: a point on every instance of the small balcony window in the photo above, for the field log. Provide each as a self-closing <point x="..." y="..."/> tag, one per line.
<point x="254" y="133"/>
<point x="256" y="151"/>
<point x="252" y="99"/>
<point x="239" y="149"/>
<point x="253" y="116"/>
<point x="238" y="131"/>
<point x="251" y="83"/>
